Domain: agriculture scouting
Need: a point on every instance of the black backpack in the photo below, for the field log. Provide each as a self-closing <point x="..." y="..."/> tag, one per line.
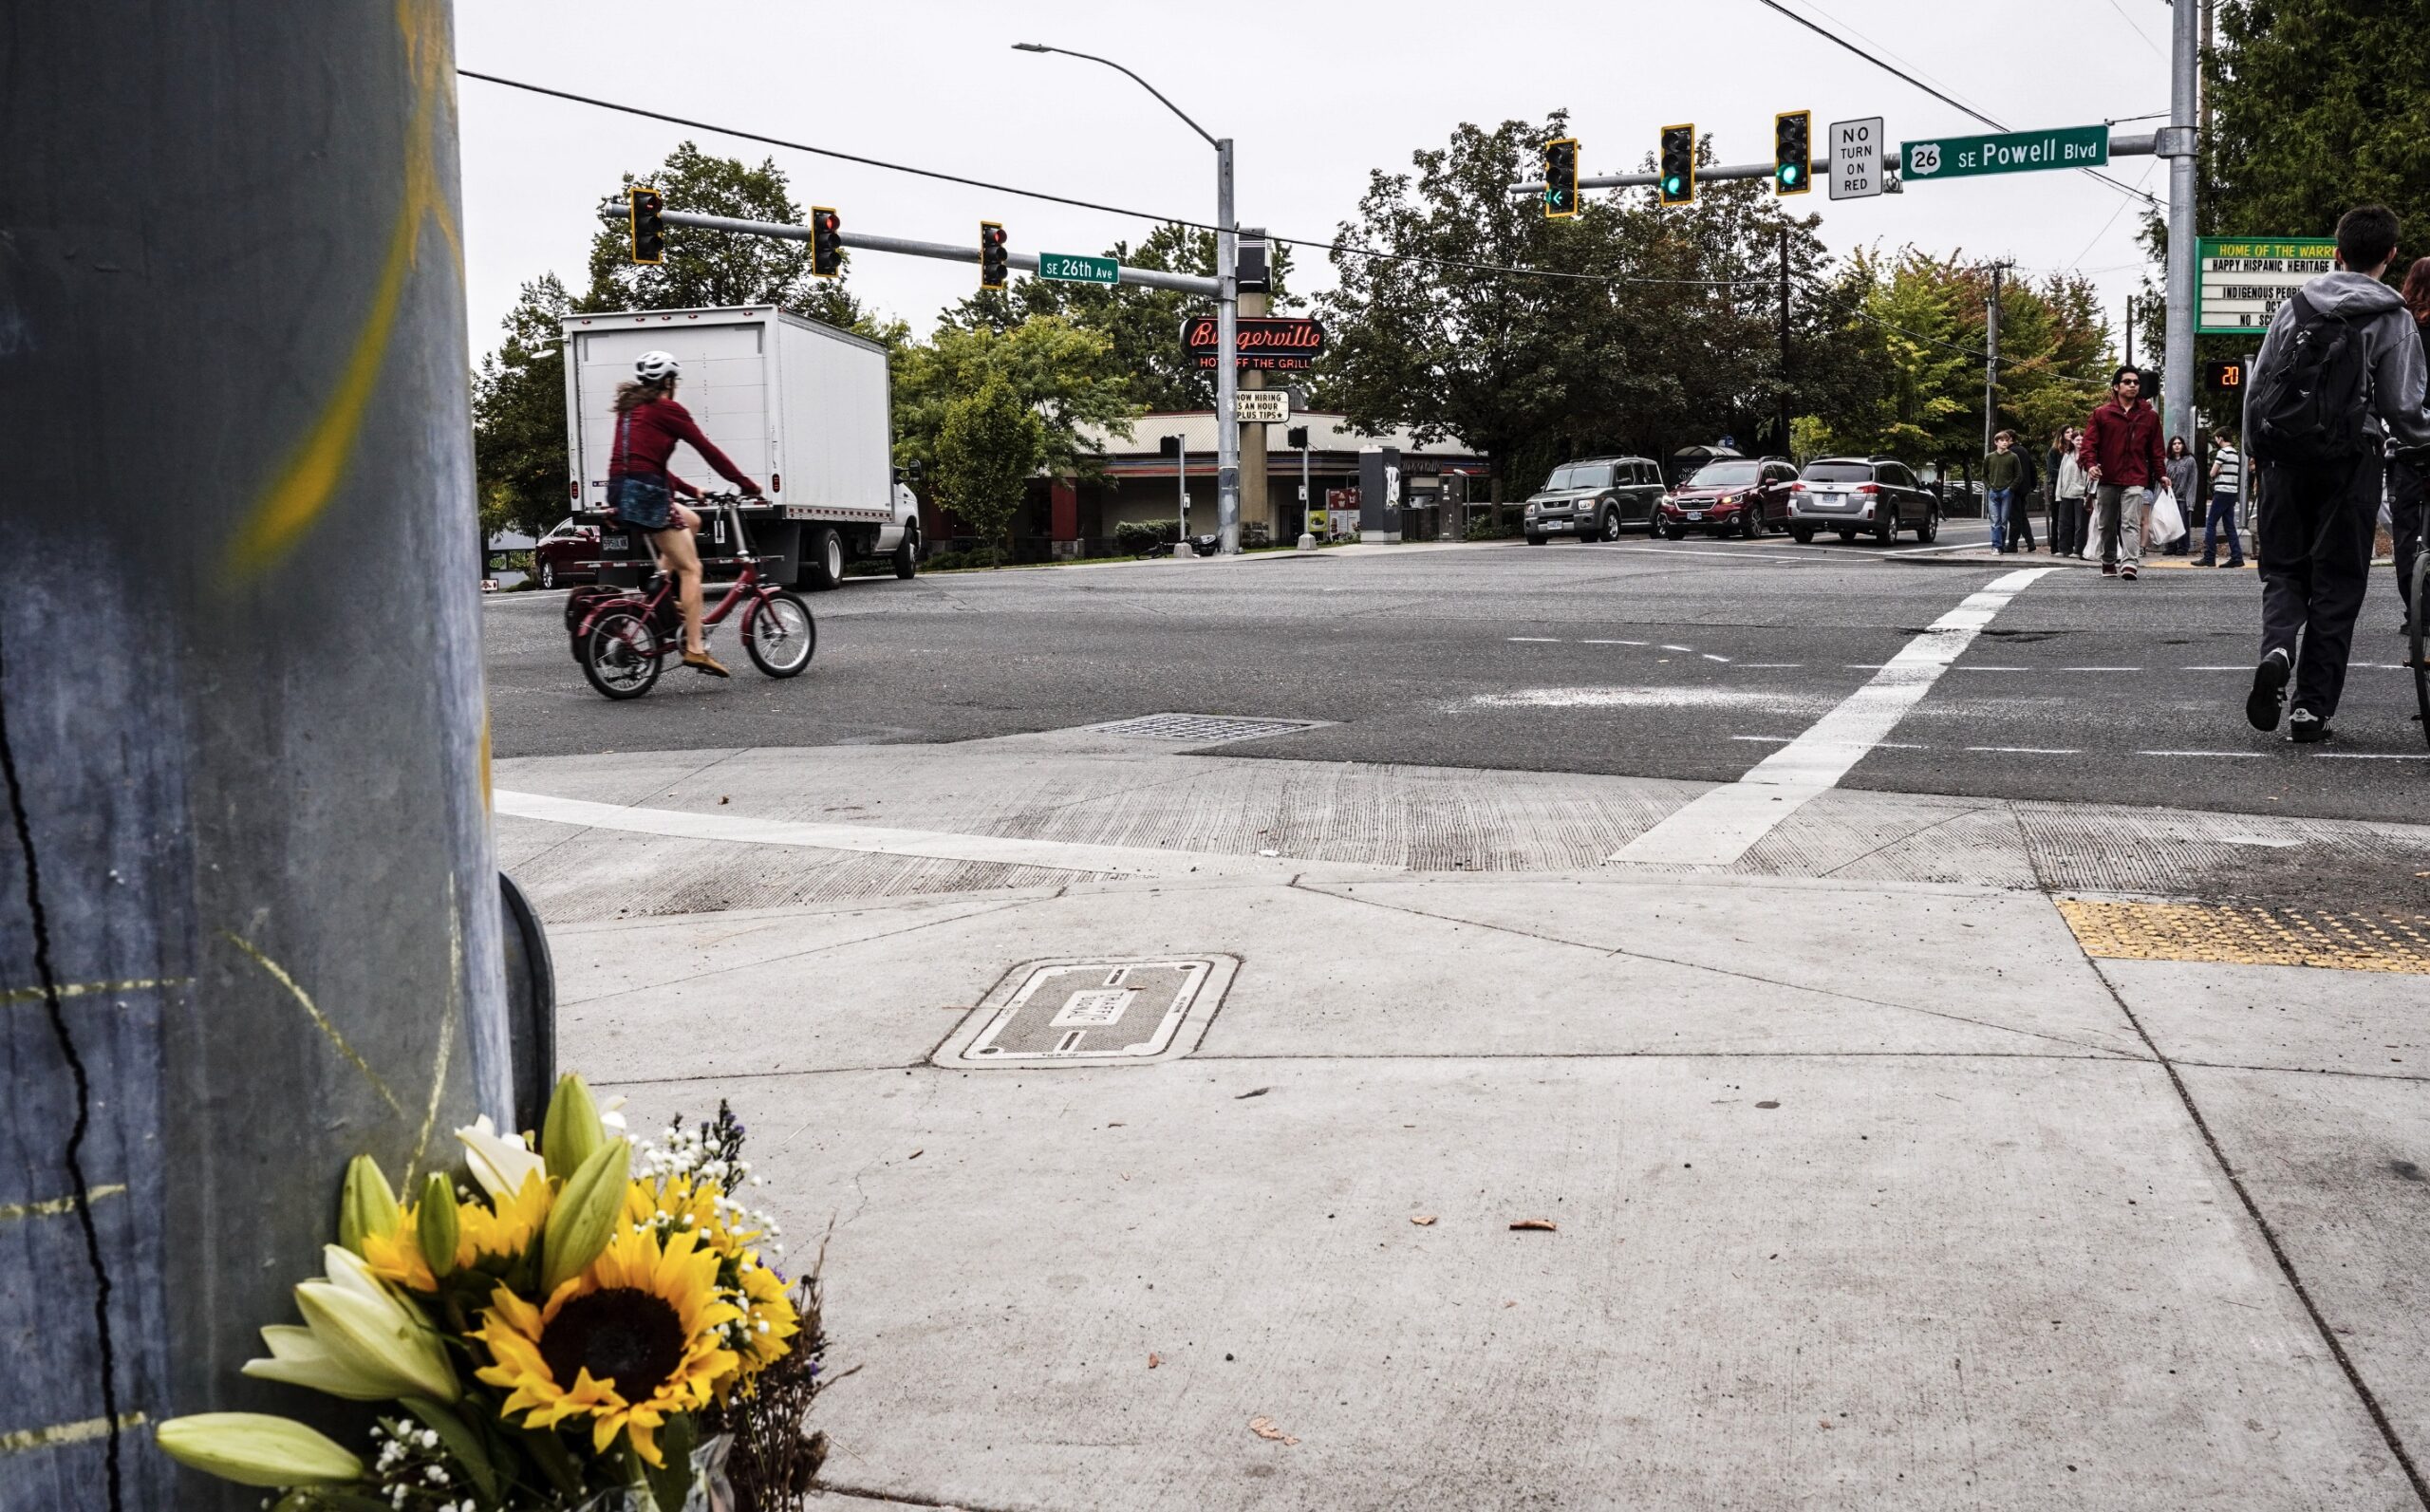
<point x="2310" y="403"/>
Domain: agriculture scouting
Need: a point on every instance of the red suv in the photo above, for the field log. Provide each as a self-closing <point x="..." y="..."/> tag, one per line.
<point x="1728" y="497"/>
<point x="557" y="558"/>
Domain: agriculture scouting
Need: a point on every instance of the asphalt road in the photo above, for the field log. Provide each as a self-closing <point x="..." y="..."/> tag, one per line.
<point x="1642" y="657"/>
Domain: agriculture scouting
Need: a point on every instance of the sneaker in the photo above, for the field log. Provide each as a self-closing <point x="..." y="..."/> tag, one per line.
<point x="2109" y="570"/>
<point x="2206" y="561"/>
<point x="2269" y="695"/>
<point x="2128" y="572"/>
<point x="2304" y="727"/>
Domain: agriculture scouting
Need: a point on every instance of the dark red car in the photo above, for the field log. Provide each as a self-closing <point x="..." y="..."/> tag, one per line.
<point x="1728" y="497"/>
<point x="558" y="558"/>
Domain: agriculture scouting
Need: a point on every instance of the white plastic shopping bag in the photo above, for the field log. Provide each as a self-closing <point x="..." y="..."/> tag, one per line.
<point x="2163" y="522"/>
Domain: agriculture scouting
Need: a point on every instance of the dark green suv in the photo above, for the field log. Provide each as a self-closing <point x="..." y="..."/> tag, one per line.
<point x="1594" y="499"/>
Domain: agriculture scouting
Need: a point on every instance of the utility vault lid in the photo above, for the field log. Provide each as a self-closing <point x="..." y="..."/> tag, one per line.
<point x="1092" y="1012"/>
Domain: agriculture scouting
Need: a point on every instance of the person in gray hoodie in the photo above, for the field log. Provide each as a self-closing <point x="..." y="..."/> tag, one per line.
<point x="2318" y="518"/>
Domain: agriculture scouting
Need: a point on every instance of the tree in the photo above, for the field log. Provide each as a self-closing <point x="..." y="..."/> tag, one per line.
<point x="987" y="446"/>
<point x="1064" y="376"/>
<point x="704" y="269"/>
<point x="2317" y="106"/>
<point x="1143" y="324"/>
<point x="519" y="416"/>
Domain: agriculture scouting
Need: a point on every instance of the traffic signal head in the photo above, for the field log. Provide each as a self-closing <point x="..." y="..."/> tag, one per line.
<point x="1296" y="438"/>
<point x="826" y="242"/>
<point x="649" y="233"/>
<point x="1169" y="445"/>
<point x="1677" y="166"/>
<point x="1560" y="178"/>
<point x="1793" y="152"/>
<point x="992" y="267"/>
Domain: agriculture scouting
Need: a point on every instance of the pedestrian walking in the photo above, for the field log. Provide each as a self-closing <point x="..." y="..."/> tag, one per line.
<point x="2340" y="375"/>
<point x="2002" y="470"/>
<point x="2069" y="486"/>
<point x="2028" y="483"/>
<point x="2408" y="510"/>
<point x="2226" y="484"/>
<point x="2184" y="480"/>
<point x="2121" y="450"/>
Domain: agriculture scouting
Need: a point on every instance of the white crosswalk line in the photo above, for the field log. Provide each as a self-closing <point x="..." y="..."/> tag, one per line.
<point x="1719" y="826"/>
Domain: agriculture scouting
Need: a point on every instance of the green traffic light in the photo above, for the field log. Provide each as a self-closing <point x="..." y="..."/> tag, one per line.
<point x="1788" y="173"/>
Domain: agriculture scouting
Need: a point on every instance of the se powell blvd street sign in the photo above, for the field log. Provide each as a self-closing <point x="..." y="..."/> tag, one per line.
<point x="1268" y="343"/>
<point x="1073" y="267"/>
<point x="2012" y="152"/>
<point x="2239" y="282"/>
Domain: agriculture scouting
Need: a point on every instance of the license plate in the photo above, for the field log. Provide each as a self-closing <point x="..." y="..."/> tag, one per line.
<point x="615" y="542"/>
<point x="1555" y="525"/>
<point x="1695" y="515"/>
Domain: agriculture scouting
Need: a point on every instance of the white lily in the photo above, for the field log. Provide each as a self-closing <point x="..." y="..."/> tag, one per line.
<point x="611" y="1115"/>
<point x="500" y="1162"/>
<point x="358" y="1341"/>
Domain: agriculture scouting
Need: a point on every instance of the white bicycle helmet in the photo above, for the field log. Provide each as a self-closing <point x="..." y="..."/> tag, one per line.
<point x="655" y="367"/>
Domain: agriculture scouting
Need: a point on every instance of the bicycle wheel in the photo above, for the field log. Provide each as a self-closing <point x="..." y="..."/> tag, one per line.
<point x="778" y="634"/>
<point x="2417" y="643"/>
<point x="620" y="654"/>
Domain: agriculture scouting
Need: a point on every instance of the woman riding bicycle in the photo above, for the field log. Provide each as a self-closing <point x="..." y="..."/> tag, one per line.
<point x="640" y="489"/>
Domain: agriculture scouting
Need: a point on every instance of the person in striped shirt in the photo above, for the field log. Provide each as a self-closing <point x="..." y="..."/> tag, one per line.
<point x="2227" y="476"/>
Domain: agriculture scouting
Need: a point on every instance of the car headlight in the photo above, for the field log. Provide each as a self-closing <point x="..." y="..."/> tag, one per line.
<point x="1531" y="506"/>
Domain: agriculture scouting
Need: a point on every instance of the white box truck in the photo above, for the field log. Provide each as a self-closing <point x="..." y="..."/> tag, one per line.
<point x="802" y="407"/>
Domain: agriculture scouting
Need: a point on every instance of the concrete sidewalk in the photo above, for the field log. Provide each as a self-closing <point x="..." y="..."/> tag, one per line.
<point x="1867" y="1185"/>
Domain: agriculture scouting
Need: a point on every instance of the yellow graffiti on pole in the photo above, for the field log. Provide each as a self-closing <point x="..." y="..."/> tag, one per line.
<point x="304" y="485"/>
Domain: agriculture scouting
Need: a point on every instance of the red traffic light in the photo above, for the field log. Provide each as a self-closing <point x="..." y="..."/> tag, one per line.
<point x="826" y="242"/>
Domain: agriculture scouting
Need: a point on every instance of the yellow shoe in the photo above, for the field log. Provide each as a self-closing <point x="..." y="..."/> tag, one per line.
<point x="703" y="662"/>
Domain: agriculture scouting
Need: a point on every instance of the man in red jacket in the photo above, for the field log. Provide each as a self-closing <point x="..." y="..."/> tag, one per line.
<point x="2122" y="454"/>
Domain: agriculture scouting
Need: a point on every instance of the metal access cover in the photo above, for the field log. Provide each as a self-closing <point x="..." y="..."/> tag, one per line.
<point x="1201" y="729"/>
<point x="1076" y="1012"/>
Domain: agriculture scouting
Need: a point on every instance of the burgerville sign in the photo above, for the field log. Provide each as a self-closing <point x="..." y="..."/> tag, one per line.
<point x="1281" y="344"/>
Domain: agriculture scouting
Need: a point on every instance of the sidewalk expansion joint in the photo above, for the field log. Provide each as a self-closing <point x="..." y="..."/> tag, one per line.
<point x="1610" y="951"/>
<point x="2277" y="1251"/>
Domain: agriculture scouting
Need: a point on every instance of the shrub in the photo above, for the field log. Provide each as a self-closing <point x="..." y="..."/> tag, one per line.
<point x="1143" y="537"/>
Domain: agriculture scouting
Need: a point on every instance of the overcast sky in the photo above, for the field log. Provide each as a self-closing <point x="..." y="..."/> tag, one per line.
<point x="1315" y="95"/>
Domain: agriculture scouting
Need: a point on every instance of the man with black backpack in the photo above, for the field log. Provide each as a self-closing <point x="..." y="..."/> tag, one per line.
<point x="2339" y="377"/>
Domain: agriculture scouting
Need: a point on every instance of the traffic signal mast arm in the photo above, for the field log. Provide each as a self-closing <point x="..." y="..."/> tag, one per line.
<point x="616" y="211"/>
<point x="2140" y="146"/>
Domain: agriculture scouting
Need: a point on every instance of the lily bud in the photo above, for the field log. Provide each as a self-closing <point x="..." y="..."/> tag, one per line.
<point x="357" y="1341"/>
<point x="584" y="1215"/>
<point x="572" y="1133"/>
<point x="369" y="1205"/>
<point x="254" y="1449"/>
<point x="434" y="1225"/>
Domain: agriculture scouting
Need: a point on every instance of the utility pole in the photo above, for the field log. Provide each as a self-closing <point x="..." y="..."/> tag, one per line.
<point x="1991" y="357"/>
<point x="249" y="912"/>
<point x="2130" y="330"/>
<point x="1785" y="373"/>
<point x="2177" y="145"/>
<point x="1228" y="376"/>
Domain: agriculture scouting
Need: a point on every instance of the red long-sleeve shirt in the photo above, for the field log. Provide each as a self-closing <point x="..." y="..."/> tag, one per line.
<point x="2125" y="445"/>
<point x="646" y="438"/>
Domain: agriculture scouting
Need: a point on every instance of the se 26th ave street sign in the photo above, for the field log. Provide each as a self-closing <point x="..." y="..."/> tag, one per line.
<point x="2239" y="282"/>
<point x="2014" y="152"/>
<point x="1072" y="267"/>
<point x="1856" y="159"/>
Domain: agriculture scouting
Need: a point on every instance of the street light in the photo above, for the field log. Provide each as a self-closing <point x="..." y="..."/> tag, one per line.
<point x="1228" y="309"/>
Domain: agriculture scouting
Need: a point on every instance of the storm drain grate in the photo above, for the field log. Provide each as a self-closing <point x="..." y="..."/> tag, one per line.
<point x="1075" y="1012"/>
<point x="2249" y="935"/>
<point x="1201" y="729"/>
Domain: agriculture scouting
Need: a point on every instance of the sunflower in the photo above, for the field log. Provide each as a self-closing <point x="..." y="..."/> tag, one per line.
<point x="769" y="1322"/>
<point x="482" y="1232"/>
<point x="691" y="1202"/>
<point x="639" y="1335"/>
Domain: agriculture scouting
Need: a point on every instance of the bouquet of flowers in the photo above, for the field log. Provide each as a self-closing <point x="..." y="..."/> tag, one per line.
<point x="587" y="1327"/>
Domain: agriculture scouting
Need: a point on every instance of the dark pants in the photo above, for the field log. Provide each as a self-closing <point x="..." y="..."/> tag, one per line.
<point x="2223" y="512"/>
<point x="2020" y="519"/>
<point x="2314" y="537"/>
<point x="2406" y="517"/>
<point x="2068" y="527"/>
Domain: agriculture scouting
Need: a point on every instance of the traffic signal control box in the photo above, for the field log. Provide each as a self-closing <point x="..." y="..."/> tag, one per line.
<point x="1677" y="165"/>
<point x="1560" y="178"/>
<point x="649" y="233"/>
<point x="1793" y="152"/>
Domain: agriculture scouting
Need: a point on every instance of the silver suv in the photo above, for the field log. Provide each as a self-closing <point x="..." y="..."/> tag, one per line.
<point x="1593" y="498"/>
<point x="1845" y="495"/>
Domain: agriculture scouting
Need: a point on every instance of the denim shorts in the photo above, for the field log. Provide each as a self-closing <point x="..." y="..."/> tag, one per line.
<point x="641" y="502"/>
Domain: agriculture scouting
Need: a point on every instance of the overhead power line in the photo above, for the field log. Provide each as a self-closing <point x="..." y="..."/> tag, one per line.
<point x="1897" y="72"/>
<point x="1348" y="249"/>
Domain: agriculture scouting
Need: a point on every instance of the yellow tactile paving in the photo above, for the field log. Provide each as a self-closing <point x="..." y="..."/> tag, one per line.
<point x="2250" y="935"/>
